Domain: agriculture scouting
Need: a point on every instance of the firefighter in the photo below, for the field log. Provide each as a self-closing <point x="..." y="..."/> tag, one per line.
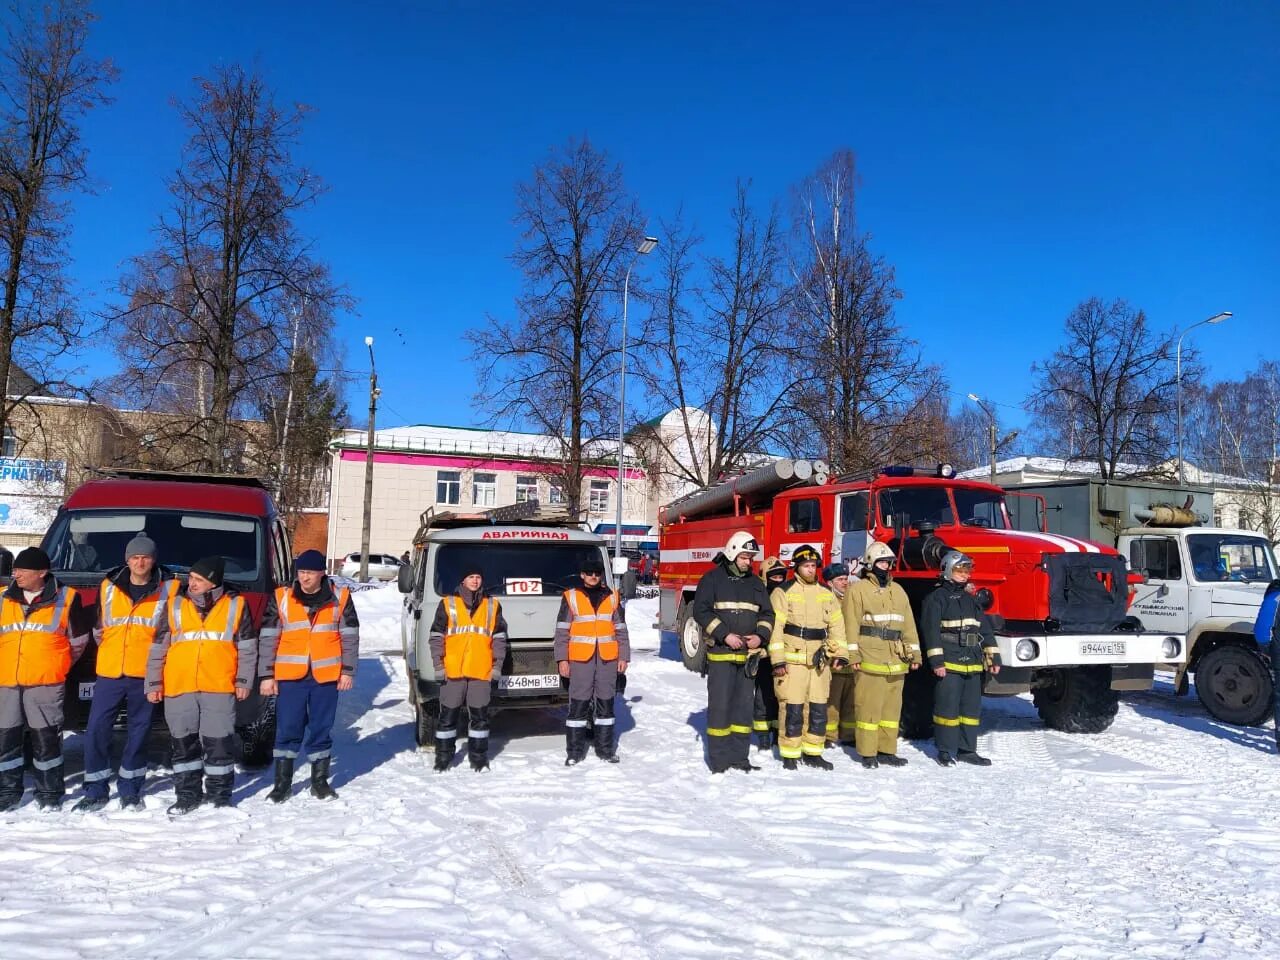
<point x="592" y="651"/>
<point x="807" y="642"/>
<point x="43" y="630"/>
<point x="468" y="644"/>
<point x="307" y="655"/>
<point x="732" y="609"/>
<point x="764" y="715"/>
<point x="840" y="724"/>
<point x="133" y="608"/>
<point x="200" y="668"/>
<point x="883" y="646"/>
<point x="958" y="640"/>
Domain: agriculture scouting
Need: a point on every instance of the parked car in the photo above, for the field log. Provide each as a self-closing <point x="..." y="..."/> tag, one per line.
<point x="382" y="566"/>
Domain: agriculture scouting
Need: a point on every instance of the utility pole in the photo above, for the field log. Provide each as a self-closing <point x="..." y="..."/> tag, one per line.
<point x="994" y="441"/>
<point x="368" y="466"/>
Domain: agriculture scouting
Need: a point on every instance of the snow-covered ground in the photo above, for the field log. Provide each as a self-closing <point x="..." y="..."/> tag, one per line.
<point x="1157" y="839"/>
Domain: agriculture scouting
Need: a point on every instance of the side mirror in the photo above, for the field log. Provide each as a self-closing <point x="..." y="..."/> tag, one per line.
<point x="620" y="566"/>
<point x="404" y="579"/>
<point x="1162" y="590"/>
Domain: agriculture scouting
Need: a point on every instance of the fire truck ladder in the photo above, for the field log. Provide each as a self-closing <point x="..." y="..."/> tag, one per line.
<point x="530" y="512"/>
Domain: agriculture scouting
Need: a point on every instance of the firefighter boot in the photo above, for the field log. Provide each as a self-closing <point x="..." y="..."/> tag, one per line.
<point x="478" y="737"/>
<point x="446" y="738"/>
<point x="790" y="763"/>
<point x="869" y="763"/>
<point x="284" y="780"/>
<point x="10" y="768"/>
<point x="575" y="735"/>
<point x="892" y="760"/>
<point x="46" y="757"/>
<point x="606" y="750"/>
<point x="320" y="788"/>
<point x="944" y="759"/>
<point x="820" y="763"/>
<point x="187" y="774"/>
<point x="970" y="756"/>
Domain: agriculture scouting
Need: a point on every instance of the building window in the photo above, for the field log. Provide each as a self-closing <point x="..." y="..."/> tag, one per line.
<point x="448" y="486"/>
<point x="10" y="444"/>
<point x="555" y="494"/>
<point x="526" y="488"/>
<point x="598" y="501"/>
<point x="484" y="491"/>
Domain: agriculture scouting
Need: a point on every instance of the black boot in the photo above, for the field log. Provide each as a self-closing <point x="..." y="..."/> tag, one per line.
<point x="188" y="771"/>
<point x="320" y="788"/>
<point x="604" y="745"/>
<point x="892" y="760"/>
<point x="969" y="756"/>
<point x="813" y="760"/>
<point x="944" y="759"/>
<point x="768" y="740"/>
<point x="46" y="751"/>
<point x="90" y="805"/>
<point x="220" y="769"/>
<point x="284" y="780"/>
<point x="746" y="766"/>
<point x="478" y="737"/>
<point x="11" y="774"/>
<point x="575" y="732"/>
<point x="790" y="763"/>
<point x="219" y="789"/>
<point x="446" y="738"/>
<point x="870" y="763"/>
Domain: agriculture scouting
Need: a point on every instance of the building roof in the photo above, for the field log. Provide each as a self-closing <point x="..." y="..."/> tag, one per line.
<point x="1058" y="468"/>
<point x="432" y="438"/>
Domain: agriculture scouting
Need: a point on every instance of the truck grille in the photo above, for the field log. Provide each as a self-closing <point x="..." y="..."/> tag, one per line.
<point x="1088" y="592"/>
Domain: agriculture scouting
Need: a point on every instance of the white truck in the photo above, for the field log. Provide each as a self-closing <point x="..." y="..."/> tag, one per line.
<point x="1205" y="582"/>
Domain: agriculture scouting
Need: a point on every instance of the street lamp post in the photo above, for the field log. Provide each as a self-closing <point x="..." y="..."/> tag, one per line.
<point x="993" y="444"/>
<point x="646" y="246"/>
<point x="1216" y="318"/>
<point x="368" y="466"/>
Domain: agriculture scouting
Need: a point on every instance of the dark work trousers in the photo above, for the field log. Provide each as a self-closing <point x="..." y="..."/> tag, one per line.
<point x="764" y="712"/>
<point x="593" y="685"/>
<point x="957" y="704"/>
<point x="202" y="726"/>
<point x="38" y="709"/>
<point x="730" y="698"/>
<point x="305" y="711"/>
<point x="109" y="695"/>
<point x="475" y="694"/>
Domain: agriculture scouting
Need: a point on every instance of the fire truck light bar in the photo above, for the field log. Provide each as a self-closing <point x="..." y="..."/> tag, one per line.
<point x="944" y="470"/>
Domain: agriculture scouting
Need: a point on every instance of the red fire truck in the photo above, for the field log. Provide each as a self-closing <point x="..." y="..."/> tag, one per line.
<point x="1059" y="605"/>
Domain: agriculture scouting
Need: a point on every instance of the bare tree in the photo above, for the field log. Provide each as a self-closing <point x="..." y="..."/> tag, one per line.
<point x="1108" y="393"/>
<point x="48" y="82"/>
<point x="555" y="365"/>
<point x="864" y="395"/>
<point x="715" y="349"/>
<point x="207" y="325"/>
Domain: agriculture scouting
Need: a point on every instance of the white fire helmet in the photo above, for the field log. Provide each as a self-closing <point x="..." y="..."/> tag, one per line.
<point x="877" y="551"/>
<point x="740" y="543"/>
<point x="953" y="559"/>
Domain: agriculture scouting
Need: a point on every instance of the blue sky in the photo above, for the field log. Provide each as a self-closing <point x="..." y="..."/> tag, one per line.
<point x="1015" y="158"/>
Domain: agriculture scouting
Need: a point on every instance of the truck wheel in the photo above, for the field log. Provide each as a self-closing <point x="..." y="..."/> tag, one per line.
<point x="1234" y="685"/>
<point x="426" y="712"/>
<point x="259" y="737"/>
<point x="916" y="722"/>
<point x="692" y="650"/>
<point x="1078" y="700"/>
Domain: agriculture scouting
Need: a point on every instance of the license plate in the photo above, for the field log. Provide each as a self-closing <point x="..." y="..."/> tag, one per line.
<point x="86" y="691"/>
<point x="1103" y="648"/>
<point x="530" y="681"/>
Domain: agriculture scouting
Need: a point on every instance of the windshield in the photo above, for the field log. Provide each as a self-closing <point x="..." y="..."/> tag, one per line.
<point x="94" y="541"/>
<point x="514" y="568"/>
<point x="980" y="508"/>
<point x="1228" y="557"/>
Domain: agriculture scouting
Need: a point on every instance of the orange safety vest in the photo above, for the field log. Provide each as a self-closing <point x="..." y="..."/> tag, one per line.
<point x="591" y="630"/>
<point x="202" y="654"/>
<point x="128" y="628"/>
<point x="305" y="641"/>
<point x="468" y="639"/>
<point x="35" y="650"/>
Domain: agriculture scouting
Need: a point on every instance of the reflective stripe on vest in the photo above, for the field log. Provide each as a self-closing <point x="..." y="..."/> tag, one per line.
<point x="202" y="656"/>
<point x="591" y="630"/>
<point x="128" y="628"/>
<point x="35" y="650"/>
<point x="304" y="642"/>
<point x="468" y="639"/>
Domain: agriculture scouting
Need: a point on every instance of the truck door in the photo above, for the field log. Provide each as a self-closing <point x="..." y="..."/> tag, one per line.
<point x="1161" y="602"/>
<point x="851" y="528"/>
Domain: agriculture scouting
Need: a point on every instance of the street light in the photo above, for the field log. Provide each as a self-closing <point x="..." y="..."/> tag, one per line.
<point x="1216" y="318"/>
<point x="368" y="466"/>
<point x="646" y="246"/>
<point x="992" y="443"/>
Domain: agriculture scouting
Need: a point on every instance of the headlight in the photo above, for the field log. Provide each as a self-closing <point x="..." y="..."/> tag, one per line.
<point x="1170" y="648"/>
<point x="1026" y="650"/>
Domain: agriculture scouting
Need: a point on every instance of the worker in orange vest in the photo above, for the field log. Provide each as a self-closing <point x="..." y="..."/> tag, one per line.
<point x="43" y="630"/>
<point x="592" y="650"/>
<point x="200" y="668"/>
<point x="468" y="644"/>
<point x="307" y="653"/>
<point x="133" y="607"/>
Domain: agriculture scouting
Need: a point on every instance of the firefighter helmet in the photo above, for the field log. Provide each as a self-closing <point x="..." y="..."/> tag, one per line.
<point x="877" y="551"/>
<point x="773" y="569"/>
<point x="740" y="543"/>
<point x="805" y="554"/>
<point x="953" y="559"/>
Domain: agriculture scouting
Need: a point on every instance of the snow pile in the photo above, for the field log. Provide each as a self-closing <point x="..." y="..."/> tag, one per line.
<point x="1157" y="839"/>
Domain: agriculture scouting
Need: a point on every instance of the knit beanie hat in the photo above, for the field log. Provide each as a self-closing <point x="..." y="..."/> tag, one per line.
<point x="140" y="546"/>
<point x="32" y="558"/>
<point x="211" y="568"/>
<point x="310" y="560"/>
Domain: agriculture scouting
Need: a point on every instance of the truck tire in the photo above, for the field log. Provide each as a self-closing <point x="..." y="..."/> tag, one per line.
<point x="1235" y="685"/>
<point x="425" y="712"/>
<point x="692" y="649"/>
<point x="916" y="722"/>
<point x="258" y="739"/>
<point x="1079" y="700"/>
